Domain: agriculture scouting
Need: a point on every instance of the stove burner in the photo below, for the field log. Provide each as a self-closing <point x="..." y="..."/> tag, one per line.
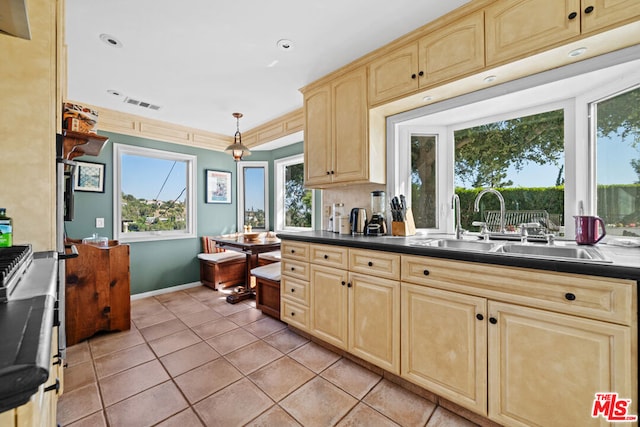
<point x="13" y="260"/>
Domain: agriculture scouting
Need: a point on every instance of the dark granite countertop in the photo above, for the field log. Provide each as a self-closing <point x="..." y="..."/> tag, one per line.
<point x="26" y="323"/>
<point x="624" y="262"/>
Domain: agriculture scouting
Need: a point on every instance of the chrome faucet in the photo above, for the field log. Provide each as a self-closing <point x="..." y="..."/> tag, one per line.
<point x="476" y="205"/>
<point x="455" y="205"/>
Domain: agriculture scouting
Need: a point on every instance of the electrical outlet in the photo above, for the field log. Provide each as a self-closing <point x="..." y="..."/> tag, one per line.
<point x="99" y="222"/>
<point x="327" y="211"/>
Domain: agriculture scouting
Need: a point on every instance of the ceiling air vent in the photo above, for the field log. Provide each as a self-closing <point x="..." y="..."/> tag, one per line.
<point x="142" y="104"/>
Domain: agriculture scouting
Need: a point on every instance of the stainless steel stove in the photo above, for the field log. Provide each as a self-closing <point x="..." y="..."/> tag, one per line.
<point x="14" y="263"/>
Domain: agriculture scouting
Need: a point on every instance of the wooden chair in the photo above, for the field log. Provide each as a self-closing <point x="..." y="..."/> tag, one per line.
<point x="220" y="268"/>
<point x="268" y="288"/>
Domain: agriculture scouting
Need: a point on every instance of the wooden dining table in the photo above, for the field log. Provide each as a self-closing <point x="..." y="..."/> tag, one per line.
<point x="252" y="248"/>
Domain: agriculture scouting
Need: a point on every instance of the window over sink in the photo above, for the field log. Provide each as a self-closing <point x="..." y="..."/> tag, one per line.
<point x="542" y="140"/>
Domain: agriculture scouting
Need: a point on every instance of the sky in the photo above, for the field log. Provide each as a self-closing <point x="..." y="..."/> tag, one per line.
<point x="143" y="178"/>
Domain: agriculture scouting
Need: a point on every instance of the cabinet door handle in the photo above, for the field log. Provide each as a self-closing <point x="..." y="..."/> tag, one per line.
<point x="588" y="9"/>
<point x="293" y="251"/>
<point x="293" y="268"/>
<point x="344" y="283"/>
<point x="292" y="314"/>
<point x="370" y="264"/>
<point x="493" y="320"/>
<point x="332" y="172"/>
<point x="326" y="257"/>
<point x="572" y="15"/>
<point x="349" y="285"/>
<point x="328" y="173"/>
<point x="426" y="272"/>
<point x="421" y="73"/>
<point x="570" y="296"/>
<point x="53" y="387"/>
<point x="413" y="76"/>
<point x="479" y="316"/>
<point x="292" y="290"/>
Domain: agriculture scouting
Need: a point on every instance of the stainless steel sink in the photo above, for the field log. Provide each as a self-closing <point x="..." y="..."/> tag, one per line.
<point x="465" y="245"/>
<point x="580" y="253"/>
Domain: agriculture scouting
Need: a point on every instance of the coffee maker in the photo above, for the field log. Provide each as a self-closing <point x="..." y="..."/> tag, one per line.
<point x="377" y="225"/>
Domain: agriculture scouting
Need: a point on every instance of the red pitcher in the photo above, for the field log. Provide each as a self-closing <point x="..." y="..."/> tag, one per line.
<point x="589" y="229"/>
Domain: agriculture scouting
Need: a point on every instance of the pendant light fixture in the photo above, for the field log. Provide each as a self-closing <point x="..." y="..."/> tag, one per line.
<point x="236" y="149"/>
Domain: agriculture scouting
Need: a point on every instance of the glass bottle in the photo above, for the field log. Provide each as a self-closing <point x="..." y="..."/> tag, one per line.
<point x="6" y="229"/>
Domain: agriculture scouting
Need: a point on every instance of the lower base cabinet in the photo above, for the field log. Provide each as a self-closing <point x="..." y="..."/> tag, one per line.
<point x="545" y="368"/>
<point x="531" y="367"/>
<point x="444" y="344"/>
<point x="42" y="409"/>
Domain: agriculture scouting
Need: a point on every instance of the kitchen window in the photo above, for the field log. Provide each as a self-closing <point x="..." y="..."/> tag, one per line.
<point x="153" y="194"/>
<point x="615" y="134"/>
<point x="293" y="202"/>
<point x="253" y="195"/>
<point x="564" y="141"/>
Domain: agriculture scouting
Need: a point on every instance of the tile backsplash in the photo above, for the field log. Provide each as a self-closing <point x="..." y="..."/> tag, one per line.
<point x="353" y="196"/>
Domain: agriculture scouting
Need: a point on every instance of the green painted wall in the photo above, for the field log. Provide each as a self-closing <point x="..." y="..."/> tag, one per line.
<point x="161" y="264"/>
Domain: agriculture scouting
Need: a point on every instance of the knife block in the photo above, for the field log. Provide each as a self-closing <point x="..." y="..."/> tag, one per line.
<point x="404" y="228"/>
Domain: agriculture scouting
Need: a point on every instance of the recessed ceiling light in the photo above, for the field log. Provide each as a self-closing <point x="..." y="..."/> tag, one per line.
<point x="114" y="92"/>
<point x="577" y="52"/>
<point x="284" y="44"/>
<point x="272" y="63"/>
<point x="110" y="40"/>
<point x="490" y="79"/>
<point x="427" y="98"/>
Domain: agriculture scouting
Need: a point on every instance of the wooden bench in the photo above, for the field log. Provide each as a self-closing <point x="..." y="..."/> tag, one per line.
<point x="266" y="258"/>
<point x="220" y="268"/>
<point x="268" y="288"/>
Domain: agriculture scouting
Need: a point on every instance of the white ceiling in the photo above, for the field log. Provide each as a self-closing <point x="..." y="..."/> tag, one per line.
<point x="201" y="60"/>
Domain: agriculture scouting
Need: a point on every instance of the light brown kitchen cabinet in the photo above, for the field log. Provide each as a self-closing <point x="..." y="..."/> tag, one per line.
<point x="444" y="54"/>
<point x="519" y="28"/>
<point x="41" y="410"/>
<point x="336" y="143"/>
<point x="357" y="312"/>
<point x="329" y="305"/>
<point x="545" y="368"/>
<point x="98" y="296"/>
<point x="294" y="284"/>
<point x="552" y="340"/>
<point x="444" y="344"/>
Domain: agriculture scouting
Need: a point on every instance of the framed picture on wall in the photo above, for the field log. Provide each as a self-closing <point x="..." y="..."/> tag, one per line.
<point x="218" y="186"/>
<point x="89" y="177"/>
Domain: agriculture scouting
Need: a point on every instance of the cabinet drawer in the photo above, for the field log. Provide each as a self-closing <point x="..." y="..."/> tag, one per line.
<point x="332" y="256"/>
<point x="594" y="297"/>
<point x="296" y="269"/>
<point x="295" y="250"/>
<point x="295" y="290"/>
<point x="294" y="314"/>
<point x="375" y="263"/>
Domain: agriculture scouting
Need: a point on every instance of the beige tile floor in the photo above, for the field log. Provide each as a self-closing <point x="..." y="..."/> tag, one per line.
<point x="192" y="359"/>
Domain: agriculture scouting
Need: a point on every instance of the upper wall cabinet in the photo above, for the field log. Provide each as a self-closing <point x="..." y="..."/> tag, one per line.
<point x="336" y="143"/>
<point x="444" y="54"/>
<point x="519" y="28"/>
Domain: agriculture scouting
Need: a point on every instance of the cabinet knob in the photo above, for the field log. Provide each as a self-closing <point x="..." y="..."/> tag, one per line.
<point x="572" y="15"/>
<point x="349" y="285"/>
<point x="293" y="251"/>
<point x="328" y="173"/>
<point x="493" y="320"/>
<point x="326" y="257"/>
<point x="421" y="73"/>
<point x="293" y="268"/>
<point x="292" y="314"/>
<point x="588" y="9"/>
<point x="569" y="296"/>
<point x="479" y="316"/>
<point x="426" y="272"/>
<point x="293" y="290"/>
<point x="413" y="76"/>
<point x="370" y="264"/>
<point x="344" y="283"/>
